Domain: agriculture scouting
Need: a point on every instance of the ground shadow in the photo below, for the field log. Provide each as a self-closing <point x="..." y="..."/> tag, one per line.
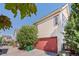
<point x="51" y="53"/>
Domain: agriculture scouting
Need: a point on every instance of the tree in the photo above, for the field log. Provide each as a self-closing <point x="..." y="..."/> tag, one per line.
<point x="0" y="39"/>
<point x="26" y="9"/>
<point x="5" y="22"/>
<point x="27" y="37"/>
<point x="72" y="28"/>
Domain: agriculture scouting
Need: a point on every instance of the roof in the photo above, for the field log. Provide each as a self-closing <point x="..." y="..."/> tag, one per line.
<point x="52" y="13"/>
<point x="7" y="36"/>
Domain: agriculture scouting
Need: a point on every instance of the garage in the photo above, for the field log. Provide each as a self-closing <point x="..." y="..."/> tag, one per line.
<point x="47" y="44"/>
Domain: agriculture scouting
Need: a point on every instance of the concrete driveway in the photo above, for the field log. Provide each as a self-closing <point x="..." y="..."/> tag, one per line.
<point x="14" y="51"/>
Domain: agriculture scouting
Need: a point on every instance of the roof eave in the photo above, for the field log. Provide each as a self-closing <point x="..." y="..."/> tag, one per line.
<point x="52" y="13"/>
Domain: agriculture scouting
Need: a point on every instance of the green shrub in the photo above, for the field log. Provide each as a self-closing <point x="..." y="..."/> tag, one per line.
<point x="11" y="43"/>
<point x="0" y="39"/>
<point x="71" y="34"/>
<point x="27" y="37"/>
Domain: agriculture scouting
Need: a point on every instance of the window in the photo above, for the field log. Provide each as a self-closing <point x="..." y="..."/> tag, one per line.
<point x="56" y="20"/>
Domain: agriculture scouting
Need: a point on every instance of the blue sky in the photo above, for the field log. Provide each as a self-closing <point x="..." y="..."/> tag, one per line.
<point x="42" y="10"/>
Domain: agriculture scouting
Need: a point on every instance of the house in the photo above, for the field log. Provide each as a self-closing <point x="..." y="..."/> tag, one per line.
<point x="51" y="28"/>
<point x="6" y="38"/>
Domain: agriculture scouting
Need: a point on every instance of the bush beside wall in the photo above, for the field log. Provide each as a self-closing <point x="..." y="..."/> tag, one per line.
<point x="27" y="37"/>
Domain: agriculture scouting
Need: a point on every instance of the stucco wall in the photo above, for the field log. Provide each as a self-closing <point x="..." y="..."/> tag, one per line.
<point x="59" y="31"/>
<point x="47" y="28"/>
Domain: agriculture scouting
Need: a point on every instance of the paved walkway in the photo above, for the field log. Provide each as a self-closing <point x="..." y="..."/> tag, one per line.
<point x="14" y="51"/>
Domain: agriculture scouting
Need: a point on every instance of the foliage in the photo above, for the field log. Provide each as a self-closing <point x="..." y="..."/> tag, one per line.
<point x="26" y="9"/>
<point x="5" y="22"/>
<point x="0" y="39"/>
<point x="11" y="43"/>
<point x="72" y="28"/>
<point x="27" y="37"/>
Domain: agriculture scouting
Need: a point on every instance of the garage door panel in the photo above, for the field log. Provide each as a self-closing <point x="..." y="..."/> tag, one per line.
<point x="41" y="44"/>
<point x="47" y="44"/>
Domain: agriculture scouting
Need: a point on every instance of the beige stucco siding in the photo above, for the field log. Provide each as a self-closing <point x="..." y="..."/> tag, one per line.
<point x="60" y="29"/>
<point x="46" y="28"/>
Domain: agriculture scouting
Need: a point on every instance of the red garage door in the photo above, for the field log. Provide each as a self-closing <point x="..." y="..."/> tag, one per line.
<point x="47" y="44"/>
